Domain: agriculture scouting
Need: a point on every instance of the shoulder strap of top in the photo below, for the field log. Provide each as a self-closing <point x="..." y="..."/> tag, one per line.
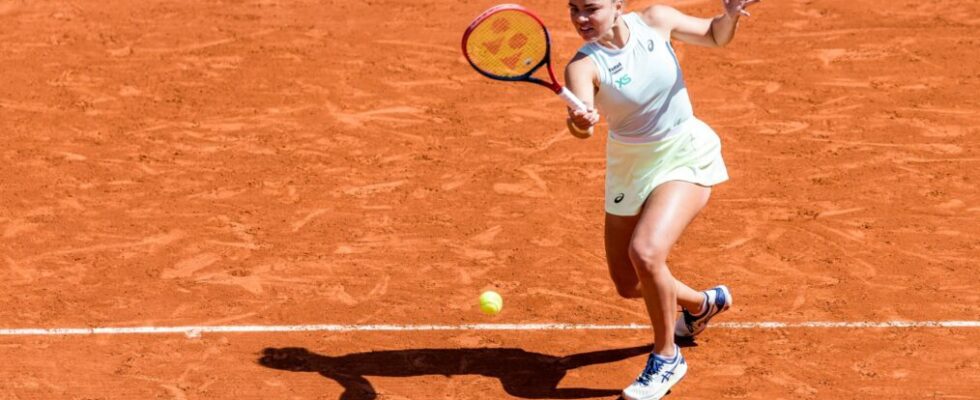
<point x="636" y="22"/>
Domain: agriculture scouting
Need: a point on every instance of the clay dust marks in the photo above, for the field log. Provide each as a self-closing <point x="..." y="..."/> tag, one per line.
<point x="783" y="127"/>
<point x="420" y="58"/>
<point x="203" y="44"/>
<point x="837" y="212"/>
<point x="768" y="87"/>
<point x="186" y="268"/>
<point x="370" y="243"/>
<point x="831" y="34"/>
<point x="27" y="106"/>
<point x="966" y="14"/>
<point x="486" y="237"/>
<point x="442" y="83"/>
<point x="444" y="49"/>
<point x="943" y="111"/>
<point x="475" y="247"/>
<point x="18" y="227"/>
<point x="867" y="52"/>
<point x="151" y="244"/>
<point x="246" y="280"/>
<point x="531" y="186"/>
<point x="20" y="273"/>
<point x="309" y="217"/>
<point x="455" y="180"/>
<point x="936" y="148"/>
<point x="365" y="191"/>
<point x="253" y="121"/>
<point x="559" y="298"/>
<point x="399" y="116"/>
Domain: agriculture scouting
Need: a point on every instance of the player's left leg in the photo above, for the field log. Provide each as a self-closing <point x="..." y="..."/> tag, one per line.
<point x="667" y="212"/>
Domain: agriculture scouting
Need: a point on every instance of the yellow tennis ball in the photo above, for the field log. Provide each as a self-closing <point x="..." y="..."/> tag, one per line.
<point x="491" y="302"/>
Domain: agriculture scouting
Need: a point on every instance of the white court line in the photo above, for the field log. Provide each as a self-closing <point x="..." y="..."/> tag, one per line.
<point x="193" y="331"/>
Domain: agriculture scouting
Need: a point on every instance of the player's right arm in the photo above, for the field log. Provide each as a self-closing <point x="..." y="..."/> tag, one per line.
<point x="580" y="79"/>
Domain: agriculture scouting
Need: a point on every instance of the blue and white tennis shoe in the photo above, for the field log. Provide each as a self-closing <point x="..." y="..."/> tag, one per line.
<point x="717" y="300"/>
<point x="658" y="377"/>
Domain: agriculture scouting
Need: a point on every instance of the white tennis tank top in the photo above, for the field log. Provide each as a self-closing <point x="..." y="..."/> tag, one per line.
<point x="641" y="88"/>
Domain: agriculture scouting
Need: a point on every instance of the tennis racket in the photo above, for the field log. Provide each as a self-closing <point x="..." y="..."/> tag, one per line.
<point x="509" y="43"/>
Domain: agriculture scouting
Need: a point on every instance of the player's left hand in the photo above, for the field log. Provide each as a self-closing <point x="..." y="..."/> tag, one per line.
<point x="734" y="8"/>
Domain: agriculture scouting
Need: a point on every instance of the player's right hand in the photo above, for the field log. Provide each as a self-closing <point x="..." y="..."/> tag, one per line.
<point x="584" y="120"/>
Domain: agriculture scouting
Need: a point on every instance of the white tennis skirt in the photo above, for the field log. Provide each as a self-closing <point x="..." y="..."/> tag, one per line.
<point x="633" y="170"/>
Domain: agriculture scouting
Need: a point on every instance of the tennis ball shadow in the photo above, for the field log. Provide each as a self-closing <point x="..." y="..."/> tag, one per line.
<point x="523" y="374"/>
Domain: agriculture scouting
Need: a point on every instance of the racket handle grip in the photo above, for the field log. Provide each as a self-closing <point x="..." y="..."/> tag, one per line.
<point x="572" y="100"/>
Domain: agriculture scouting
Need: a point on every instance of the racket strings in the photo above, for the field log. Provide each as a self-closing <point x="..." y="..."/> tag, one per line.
<point x="507" y="44"/>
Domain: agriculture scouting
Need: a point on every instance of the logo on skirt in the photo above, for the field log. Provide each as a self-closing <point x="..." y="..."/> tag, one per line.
<point x="619" y="198"/>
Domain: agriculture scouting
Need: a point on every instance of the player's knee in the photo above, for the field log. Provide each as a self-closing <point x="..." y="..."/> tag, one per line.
<point x="649" y="257"/>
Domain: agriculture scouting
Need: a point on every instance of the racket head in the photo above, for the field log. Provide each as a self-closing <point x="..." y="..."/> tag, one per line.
<point x="508" y="42"/>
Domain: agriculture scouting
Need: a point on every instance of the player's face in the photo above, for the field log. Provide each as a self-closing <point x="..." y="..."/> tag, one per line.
<point x="593" y="19"/>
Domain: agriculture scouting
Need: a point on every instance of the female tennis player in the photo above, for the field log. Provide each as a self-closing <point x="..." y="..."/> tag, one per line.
<point x="661" y="161"/>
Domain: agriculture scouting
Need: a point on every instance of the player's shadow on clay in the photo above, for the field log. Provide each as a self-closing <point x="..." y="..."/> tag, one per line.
<point x="522" y="374"/>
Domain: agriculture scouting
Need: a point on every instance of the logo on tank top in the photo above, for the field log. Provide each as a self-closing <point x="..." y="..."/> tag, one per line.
<point x="625" y="80"/>
<point x="616" y="69"/>
<point x="650" y="45"/>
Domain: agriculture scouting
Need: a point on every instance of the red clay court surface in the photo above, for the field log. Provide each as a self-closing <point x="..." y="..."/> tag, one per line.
<point x="338" y="162"/>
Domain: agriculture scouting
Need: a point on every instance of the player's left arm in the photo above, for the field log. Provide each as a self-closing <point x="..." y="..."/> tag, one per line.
<point x="710" y="32"/>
